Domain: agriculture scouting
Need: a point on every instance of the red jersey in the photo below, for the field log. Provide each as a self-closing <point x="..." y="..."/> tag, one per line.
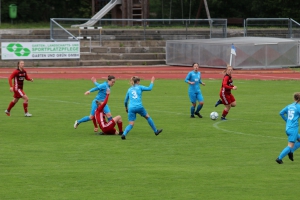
<point x="18" y="77"/>
<point x="227" y="84"/>
<point x="100" y="117"/>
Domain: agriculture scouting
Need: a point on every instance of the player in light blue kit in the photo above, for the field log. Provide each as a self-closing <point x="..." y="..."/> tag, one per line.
<point x="134" y="96"/>
<point x="101" y="88"/>
<point x="291" y="114"/>
<point x="194" y="79"/>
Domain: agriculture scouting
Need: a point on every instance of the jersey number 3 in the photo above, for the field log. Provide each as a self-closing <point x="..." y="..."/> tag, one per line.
<point x="134" y="94"/>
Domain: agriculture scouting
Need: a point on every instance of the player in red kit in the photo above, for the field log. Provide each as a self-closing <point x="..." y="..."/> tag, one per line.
<point x="226" y="97"/>
<point x="108" y="128"/>
<point x="19" y="75"/>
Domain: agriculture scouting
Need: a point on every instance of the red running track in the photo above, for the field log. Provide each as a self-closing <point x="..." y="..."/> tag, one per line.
<point x="146" y="72"/>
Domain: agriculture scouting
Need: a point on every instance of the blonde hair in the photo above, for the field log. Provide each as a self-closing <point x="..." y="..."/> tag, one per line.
<point x="134" y="80"/>
<point x="227" y="67"/>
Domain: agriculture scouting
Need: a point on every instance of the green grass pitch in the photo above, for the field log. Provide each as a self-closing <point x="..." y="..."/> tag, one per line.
<point x="44" y="157"/>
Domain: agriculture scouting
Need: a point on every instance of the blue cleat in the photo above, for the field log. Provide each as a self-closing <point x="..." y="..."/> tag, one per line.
<point x="218" y="102"/>
<point x="123" y="137"/>
<point x="223" y="118"/>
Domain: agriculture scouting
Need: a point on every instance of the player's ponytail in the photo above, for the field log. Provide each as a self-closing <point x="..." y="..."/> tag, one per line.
<point x="134" y="80"/>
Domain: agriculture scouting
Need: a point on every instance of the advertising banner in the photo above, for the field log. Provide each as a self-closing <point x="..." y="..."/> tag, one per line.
<point x="40" y="50"/>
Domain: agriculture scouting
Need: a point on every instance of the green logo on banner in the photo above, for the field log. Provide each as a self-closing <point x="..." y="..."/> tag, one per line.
<point x="18" y="49"/>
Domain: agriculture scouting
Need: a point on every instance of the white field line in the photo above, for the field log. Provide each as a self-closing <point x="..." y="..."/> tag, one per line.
<point x="261" y="76"/>
<point x="215" y="125"/>
<point x="56" y="101"/>
<point x="242" y="133"/>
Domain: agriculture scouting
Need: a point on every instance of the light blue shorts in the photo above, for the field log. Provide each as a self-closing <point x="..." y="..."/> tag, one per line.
<point x="293" y="136"/>
<point x="133" y="111"/>
<point x="196" y="97"/>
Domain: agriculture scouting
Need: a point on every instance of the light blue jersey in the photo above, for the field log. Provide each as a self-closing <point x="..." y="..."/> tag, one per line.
<point x="101" y="88"/>
<point x="134" y="96"/>
<point x="194" y="89"/>
<point x="291" y="114"/>
<point x="194" y="77"/>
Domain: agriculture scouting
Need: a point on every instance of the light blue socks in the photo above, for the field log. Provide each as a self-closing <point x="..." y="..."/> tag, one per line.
<point x="84" y="119"/>
<point x="284" y="152"/>
<point x="127" y="129"/>
<point x="151" y="123"/>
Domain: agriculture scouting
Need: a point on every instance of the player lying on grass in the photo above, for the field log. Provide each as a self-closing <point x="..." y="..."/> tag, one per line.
<point x="108" y="128"/>
<point x="101" y="88"/>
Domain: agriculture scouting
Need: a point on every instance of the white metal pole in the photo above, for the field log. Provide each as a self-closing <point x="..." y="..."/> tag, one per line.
<point x="230" y="59"/>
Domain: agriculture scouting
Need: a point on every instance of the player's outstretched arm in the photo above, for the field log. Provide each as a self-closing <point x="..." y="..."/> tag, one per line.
<point x="93" y="79"/>
<point x="152" y="79"/>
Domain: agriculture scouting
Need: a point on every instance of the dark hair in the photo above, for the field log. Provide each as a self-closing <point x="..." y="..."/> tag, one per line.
<point x="19" y="63"/>
<point x="297" y="96"/>
<point x="110" y="77"/>
<point x="136" y="79"/>
<point x="194" y="64"/>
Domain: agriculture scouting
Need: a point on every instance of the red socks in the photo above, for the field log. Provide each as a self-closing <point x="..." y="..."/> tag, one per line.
<point x="11" y="104"/>
<point x="120" y="126"/>
<point x="224" y="113"/>
<point x="25" y="106"/>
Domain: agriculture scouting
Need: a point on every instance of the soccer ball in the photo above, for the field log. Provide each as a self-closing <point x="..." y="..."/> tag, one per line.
<point x="214" y="115"/>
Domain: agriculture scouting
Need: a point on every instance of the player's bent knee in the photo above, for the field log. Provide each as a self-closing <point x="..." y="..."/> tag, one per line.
<point x="118" y="118"/>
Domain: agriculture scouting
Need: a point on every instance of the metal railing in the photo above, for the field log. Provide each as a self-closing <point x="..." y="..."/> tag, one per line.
<point x="61" y="28"/>
<point x="272" y="27"/>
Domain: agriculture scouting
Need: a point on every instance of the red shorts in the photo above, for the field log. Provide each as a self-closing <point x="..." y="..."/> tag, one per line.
<point x="227" y="98"/>
<point x="109" y="128"/>
<point x="19" y="93"/>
